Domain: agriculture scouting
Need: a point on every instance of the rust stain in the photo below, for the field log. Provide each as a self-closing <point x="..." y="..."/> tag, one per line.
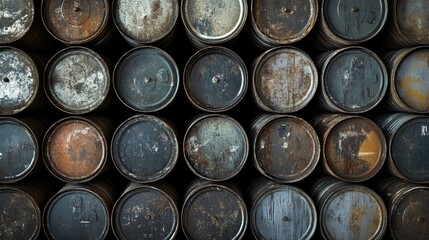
<point x="370" y="149"/>
<point x="413" y="95"/>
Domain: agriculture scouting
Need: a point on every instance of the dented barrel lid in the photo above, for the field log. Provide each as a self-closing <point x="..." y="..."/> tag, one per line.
<point x="16" y="19"/>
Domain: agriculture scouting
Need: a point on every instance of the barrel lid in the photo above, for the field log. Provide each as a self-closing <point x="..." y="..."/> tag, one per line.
<point x="355" y="149"/>
<point x="272" y="216"/>
<point x="215" y="79"/>
<point x="214" y="212"/>
<point x="214" y="22"/>
<point x="287" y="149"/>
<point x="76" y="212"/>
<point x="409" y="151"/>
<point x="146" y="79"/>
<point x="355" y="79"/>
<point x="355" y="20"/>
<point x="20" y="214"/>
<point x="75" y="150"/>
<point x="411" y="79"/>
<point x="283" y="22"/>
<point x="353" y="212"/>
<point x="19" y="150"/>
<point x="144" y="148"/>
<point x="284" y="80"/>
<point x="215" y="147"/>
<point x="77" y="80"/>
<point x="410" y="216"/>
<point x="16" y="19"/>
<point x="145" y="213"/>
<point x="75" y="21"/>
<point x="145" y="21"/>
<point x="412" y="19"/>
<point x="19" y="80"/>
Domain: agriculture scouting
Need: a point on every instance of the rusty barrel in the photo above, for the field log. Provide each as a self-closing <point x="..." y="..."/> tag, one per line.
<point x="146" y="79"/>
<point x="213" y="23"/>
<point x="407" y="204"/>
<point x="77" y="80"/>
<point x="408" y="140"/>
<point x="353" y="147"/>
<point x="348" y="211"/>
<point x="145" y="148"/>
<point x="285" y="148"/>
<point x="215" y="79"/>
<point x="80" y="211"/>
<point x="146" y="212"/>
<point x="280" y="211"/>
<point x="75" y="149"/>
<point x="215" y="147"/>
<point x="275" y="23"/>
<point x="352" y="80"/>
<point x="345" y="23"/>
<point x="409" y="79"/>
<point x="213" y="211"/>
<point x="284" y="80"/>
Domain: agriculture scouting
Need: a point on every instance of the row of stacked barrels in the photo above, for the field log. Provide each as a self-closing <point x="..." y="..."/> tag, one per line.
<point x="303" y="115"/>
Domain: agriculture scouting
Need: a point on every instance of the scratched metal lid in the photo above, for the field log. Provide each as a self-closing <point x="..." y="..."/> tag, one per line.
<point x="145" y="21"/>
<point x="215" y="79"/>
<point x="16" y="19"/>
<point x="215" y="147"/>
<point x="412" y="20"/>
<point x="284" y="80"/>
<point x="77" y="80"/>
<point x="146" y="79"/>
<point x="75" y="21"/>
<point x="144" y="148"/>
<point x="19" y="80"/>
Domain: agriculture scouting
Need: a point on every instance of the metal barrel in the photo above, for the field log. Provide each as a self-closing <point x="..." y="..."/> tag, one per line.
<point x="213" y="210"/>
<point x="345" y="23"/>
<point x="215" y="79"/>
<point x="408" y="79"/>
<point x="146" y="79"/>
<point x="144" y="22"/>
<point x="145" y="148"/>
<point x="284" y="80"/>
<point x="75" y="149"/>
<point x="407" y="137"/>
<point x="407" y="206"/>
<point x="280" y="211"/>
<point x="77" y="80"/>
<point x="275" y="23"/>
<point x="80" y="211"/>
<point x="285" y="148"/>
<point x="146" y="212"/>
<point x="348" y="211"/>
<point x="213" y="23"/>
<point x="352" y="80"/>
<point x="215" y="147"/>
<point x="354" y="148"/>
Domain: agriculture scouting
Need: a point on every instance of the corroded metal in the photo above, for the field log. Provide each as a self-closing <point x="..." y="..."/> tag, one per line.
<point x="16" y="19"/>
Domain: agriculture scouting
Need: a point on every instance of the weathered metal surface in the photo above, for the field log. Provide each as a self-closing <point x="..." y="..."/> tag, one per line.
<point x="146" y="21"/>
<point x="276" y="23"/>
<point x="213" y="211"/>
<point x="352" y="80"/>
<point x="353" y="147"/>
<point x="215" y="79"/>
<point x="16" y="19"/>
<point x="284" y="80"/>
<point x="285" y="148"/>
<point x="146" y="212"/>
<point x="145" y="148"/>
<point x="213" y="22"/>
<point x="77" y="80"/>
<point x="272" y="215"/>
<point x="349" y="211"/>
<point x="146" y="79"/>
<point x="215" y="147"/>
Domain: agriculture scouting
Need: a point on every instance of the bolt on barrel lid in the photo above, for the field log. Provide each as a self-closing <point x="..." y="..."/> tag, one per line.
<point x="16" y="20"/>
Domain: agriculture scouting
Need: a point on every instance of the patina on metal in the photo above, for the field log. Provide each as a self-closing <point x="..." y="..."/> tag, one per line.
<point x="215" y="79"/>
<point x="16" y="19"/>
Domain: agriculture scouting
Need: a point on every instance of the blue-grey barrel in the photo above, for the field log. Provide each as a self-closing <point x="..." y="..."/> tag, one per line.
<point x="279" y="211"/>
<point x="352" y="80"/>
